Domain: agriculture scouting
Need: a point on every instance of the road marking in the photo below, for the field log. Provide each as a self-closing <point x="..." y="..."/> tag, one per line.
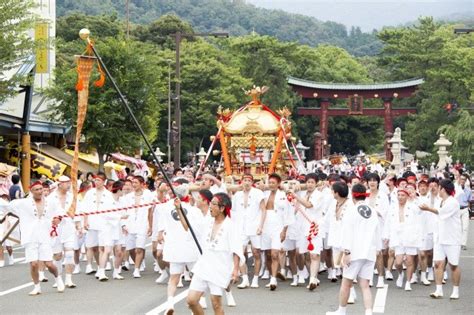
<point x="20" y="287"/>
<point x="157" y="310"/>
<point x="467" y="256"/>
<point x="380" y="299"/>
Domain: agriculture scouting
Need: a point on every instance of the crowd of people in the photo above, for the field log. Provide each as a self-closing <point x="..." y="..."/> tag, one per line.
<point x="408" y="227"/>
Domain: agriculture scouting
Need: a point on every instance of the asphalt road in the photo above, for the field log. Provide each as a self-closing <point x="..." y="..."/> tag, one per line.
<point x="142" y="296"/>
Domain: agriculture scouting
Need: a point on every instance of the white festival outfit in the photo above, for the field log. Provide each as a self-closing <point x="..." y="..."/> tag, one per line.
<point x="334" y="225"/>
<point x="381" y="206"/>
<point x="428" y="220"/>
<point x="213" y="269"/>
<point x="404" y="237"/>
<point x="137" y="222"/>
<point x="448" y="232"/>
<point x="247" y="216"/>
<point x="275" y="220"/>
<point x="99" y="232"/>
<point x="360" y="238"/>
<point x="66" y="229"/>
<point x="316" y="214"/>
<point x="179" y="248"/>
<point x="35" y="229"/>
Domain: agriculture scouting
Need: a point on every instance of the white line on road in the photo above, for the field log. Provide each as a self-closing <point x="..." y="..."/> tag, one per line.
<point x="380" y="299"/>
<point x="157" y="310"/>
<point x="20" y="287"/>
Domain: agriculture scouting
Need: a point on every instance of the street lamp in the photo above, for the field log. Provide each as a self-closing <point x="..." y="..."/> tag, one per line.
<point x="177" y="109"/>
<point x="168" y="139"/>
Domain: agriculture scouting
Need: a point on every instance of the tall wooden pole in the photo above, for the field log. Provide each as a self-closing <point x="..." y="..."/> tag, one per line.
<point x="25" y="161"/>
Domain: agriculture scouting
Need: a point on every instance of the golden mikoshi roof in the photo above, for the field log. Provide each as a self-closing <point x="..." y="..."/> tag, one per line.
<point x="253" y="119"/>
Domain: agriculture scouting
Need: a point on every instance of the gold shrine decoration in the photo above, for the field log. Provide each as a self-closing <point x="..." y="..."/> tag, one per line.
<point x="85" y="65"/>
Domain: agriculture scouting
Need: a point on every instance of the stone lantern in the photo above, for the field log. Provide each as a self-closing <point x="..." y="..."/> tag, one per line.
<point x="442" y="143"/>
<point x="301" y="148"/>
<point x="396" y="147"/>
<point x="201" y="155"/>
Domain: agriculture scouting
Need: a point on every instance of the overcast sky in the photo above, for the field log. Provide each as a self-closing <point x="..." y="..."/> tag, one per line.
<point x="370" y="14"/>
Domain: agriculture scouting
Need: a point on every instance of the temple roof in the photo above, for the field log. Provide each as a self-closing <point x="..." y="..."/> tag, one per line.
<point x="353" y="86"/>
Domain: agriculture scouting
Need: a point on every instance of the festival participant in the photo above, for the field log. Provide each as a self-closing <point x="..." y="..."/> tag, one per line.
<point x="139" y="224"/>
<point x="378" y="202"/>
<point x="274" y="222"/>
<point x="214" y="184"/>
<point x="115" y="222"/>
<point x="311" y="200"/>
<point x="247" y="207"/>
<point x="428" y="222"/>
<point x="161" y="196"/>
<point x="63" y="244"/>
<point x="326" y="201"/>
<point x="97" y="199"/>
<point x="179" y="248"/>
<point x="447" y="238"/>
<point x="35" y="225"/>
<point x="402" y="232"/>
<point x="434" y="202"/>
<point x="463" y="195"/>
<point x="334" y="221"/>
<point x="80" y="237"/>
<point x="359" y="244"/>
<point x="219" y="263"/>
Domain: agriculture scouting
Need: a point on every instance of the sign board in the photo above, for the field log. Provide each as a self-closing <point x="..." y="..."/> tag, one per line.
<point x="41" y="50"/>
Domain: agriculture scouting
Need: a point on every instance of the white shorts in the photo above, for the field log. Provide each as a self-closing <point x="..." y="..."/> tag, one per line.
<point x="427" y="243"/>
<point x="289" y="244"/>
<point x="178" y="268"/>
<point x="325" y="242"/>
<point x="303" y="243"/>
<point x="59" y="247"/>
<point x="255" y="240"/>
<point x="271" y="241"/>
<point x="92" y="238"/>
<point x="200" y="285"/>
<point x="401" y="250"/>
<point x="361" y="268"/>
<point x="79" y="241"/>
<point x="136" y="241"/>
<point x="452" y="252"/>
<point x="38" y="251"/>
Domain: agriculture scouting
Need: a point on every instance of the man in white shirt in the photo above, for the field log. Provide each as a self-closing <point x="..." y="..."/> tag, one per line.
<point x="447" y="238"/>
<point x="246" y="212"/>
<point x="273" y="225"/>
<point x="60" y="200"/>
<point x="139" y="224"/>
<point x="359" y="244"/>
<point x="35" y="225"/>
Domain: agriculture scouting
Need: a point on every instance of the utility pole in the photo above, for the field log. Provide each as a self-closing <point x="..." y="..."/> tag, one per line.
<point x="128" y="19"/>
<point x="177" y="109"/>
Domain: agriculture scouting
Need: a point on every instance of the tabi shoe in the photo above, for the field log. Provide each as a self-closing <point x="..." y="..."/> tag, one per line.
<point x="108" y="266"/>
<point x="454" y="296"/>
<point x="60" y="284"/>
<point x="126" y="266"/>
<point x="163" y="277"/>
<point x="245" y="283"/>
<point x="380" y="282"/>
<point x="352" y="298"/>
<point x="273" y="284"/>
<point x="430" y="275"/>
<point x="180" y="283"/>
<point x="423" y="279"/>
<point x="371" y="282"/>
<point x="254" y="284"/>
<point x="156" y="268"/>
<point x="388" y="275"/>
<point x="187" y="276"/>
<point x="2" y="263"/>
<point x="202" y="302"/>
<point x="281" y="275"/>
<point x="266" y="275"/>
<point x="89" y="270"/>
<point x="313" y="284"/>
<point x="42" y="278"/>
<point x="408" y="286"/>
<point x="117" y="276"/>
<point x="230" y="299"/>
<point x="102" y="276"/>
<point x="295" y="281"/>
<point x="436" y="295"/>
<point x="301" y="279"/>
<point x="136" y="273"/>
<point x="414" y="278"/>
<point x="400" y="280"/>
<point x="77" y="269"/>
<point x="36" y="290"/>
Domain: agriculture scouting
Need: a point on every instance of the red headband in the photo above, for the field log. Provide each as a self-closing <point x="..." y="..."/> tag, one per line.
<point x="37" y="183"/>
<point x="226" y="208"/>
<point x="247" y="176"/>
<point x="185" y="199"/>
<point x="404" y="191"/>
<point x="101" y="177"/>
<point x="360" y="194"/>
<point x="205" y="197"/>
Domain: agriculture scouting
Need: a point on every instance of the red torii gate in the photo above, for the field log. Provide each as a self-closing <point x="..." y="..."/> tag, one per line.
<point x="355" y="93"/>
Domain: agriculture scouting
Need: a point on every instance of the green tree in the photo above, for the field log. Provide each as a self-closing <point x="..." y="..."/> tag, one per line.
<point x="100" y="26"/>
<point x="138" y="73"/>
<point x="431" y="51"/>
<point x="15" y="44"/>
<point x="461" y="134"/>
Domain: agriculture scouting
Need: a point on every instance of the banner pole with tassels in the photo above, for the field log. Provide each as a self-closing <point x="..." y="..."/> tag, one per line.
<point x="84" y="34"/>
